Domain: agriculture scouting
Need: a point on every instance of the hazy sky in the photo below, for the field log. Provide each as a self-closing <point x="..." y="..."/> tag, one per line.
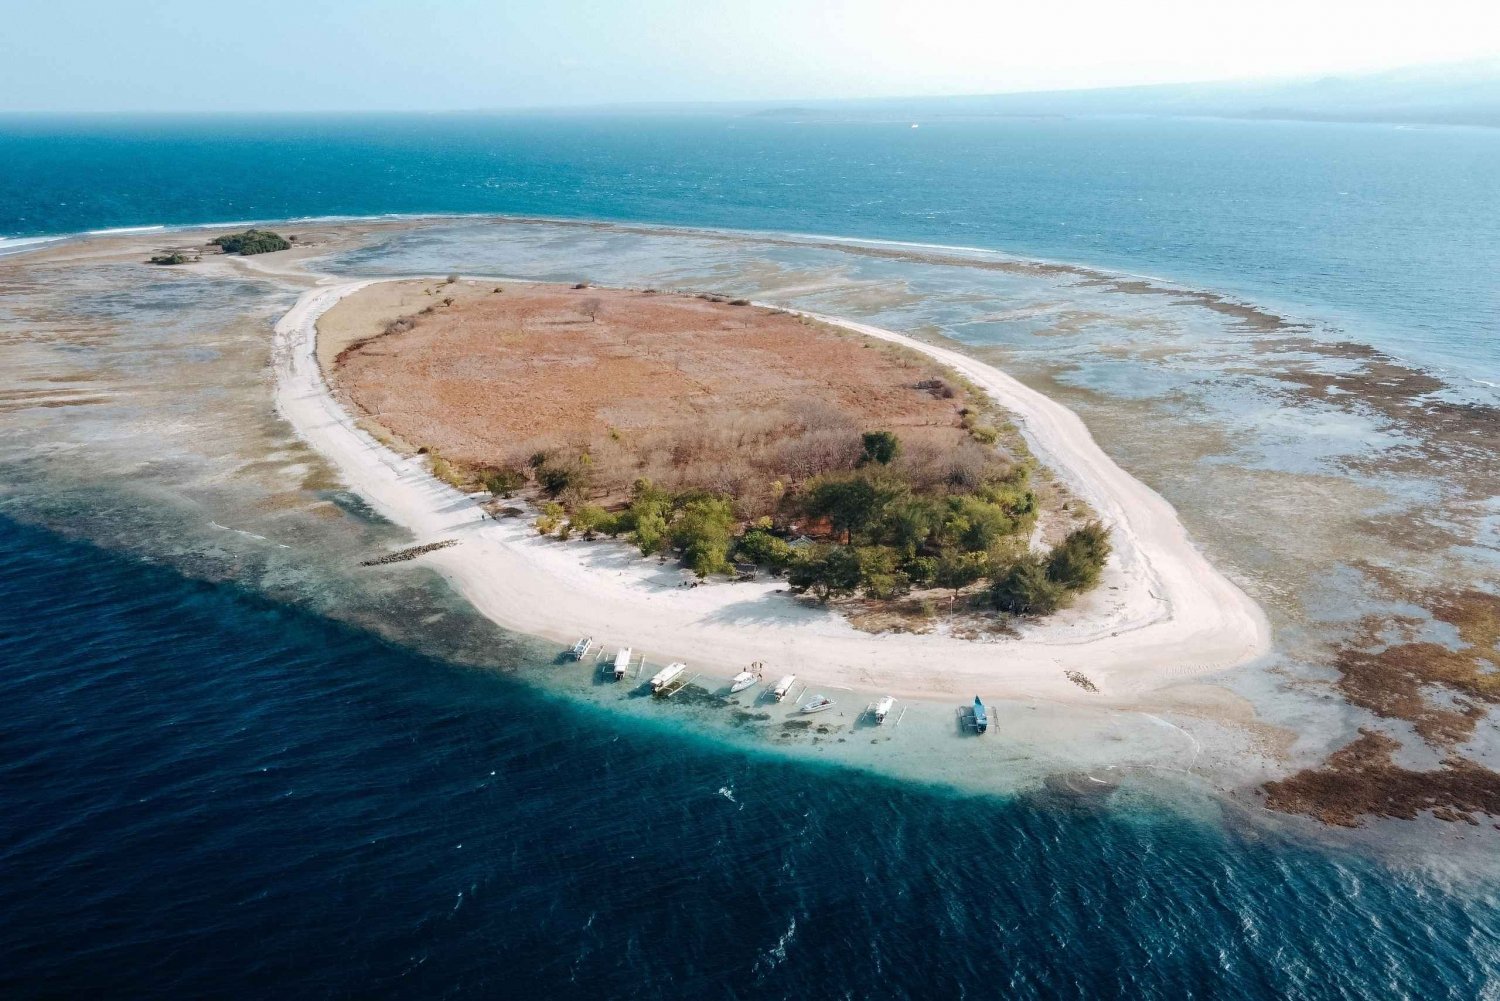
<point x="237" y="55"/>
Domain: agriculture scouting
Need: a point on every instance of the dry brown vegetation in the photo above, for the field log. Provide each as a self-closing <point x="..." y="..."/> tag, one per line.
<point x="689" y="392"/>
<point x="1361" y="779"/>
<point x="1442" y="690"/>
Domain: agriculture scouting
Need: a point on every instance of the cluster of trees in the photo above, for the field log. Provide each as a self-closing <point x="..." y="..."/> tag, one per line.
<point x="878" y="534"/>
<point x="1034" y="584"/>
<point x="251" y="241"/>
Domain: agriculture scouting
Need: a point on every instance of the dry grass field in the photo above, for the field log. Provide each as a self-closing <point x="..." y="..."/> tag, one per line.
<point x="688" y="391"/>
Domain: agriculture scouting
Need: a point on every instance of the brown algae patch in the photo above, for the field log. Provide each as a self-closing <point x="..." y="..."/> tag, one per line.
<point x="1362" y="779"/>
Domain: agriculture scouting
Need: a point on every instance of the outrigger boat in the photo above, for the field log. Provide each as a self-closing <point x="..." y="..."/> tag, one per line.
<point x="981" y="718"/>
<point x="622" y="663"/>
<point x="882" y="709"/>
<point x="744" y="679"/>
<point x="781" y="688"/>
<point x="666" y="676"/>
<point x="817" y="705"/>
<point x="582" y="647"/>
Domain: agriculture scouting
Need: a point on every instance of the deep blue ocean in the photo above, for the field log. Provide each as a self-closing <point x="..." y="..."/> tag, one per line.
<point x="209" y="794"/>
<point x="1389" y="231"/>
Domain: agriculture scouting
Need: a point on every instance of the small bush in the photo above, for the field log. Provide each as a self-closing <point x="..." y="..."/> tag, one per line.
<point x="169" y="259"/>
<point x="551" y="518"/>
<point x="251" y="241"/>
<point x="505" y="481"/>
<point x="447" y="472"/>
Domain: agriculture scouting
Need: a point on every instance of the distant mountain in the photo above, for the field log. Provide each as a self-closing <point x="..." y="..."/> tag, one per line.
<point x="1454" y="94"/>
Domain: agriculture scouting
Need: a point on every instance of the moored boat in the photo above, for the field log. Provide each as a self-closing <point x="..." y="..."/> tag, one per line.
<point x="661" y="679"/>
<point x="882" y="709"/>
<point x="981" y="718"/>
<point x="817" y="705"/>
<point x="742" y="681"/>
<point x="622" y="663"/>
<point x="582" y="647"/>
<point x="781" y="688"/>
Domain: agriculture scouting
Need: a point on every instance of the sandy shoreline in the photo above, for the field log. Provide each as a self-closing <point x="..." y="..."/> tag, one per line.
<point x="1163" y="615"/>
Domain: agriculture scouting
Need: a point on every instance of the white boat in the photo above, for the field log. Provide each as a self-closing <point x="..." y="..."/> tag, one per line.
<point x="622" y="663"/>
<point x="582" y="647"/>
<point x="666" y="676"/>
<point x="745" y="679"/>
<point x="817" y="705"/>
<point x="781" y="688"/>
<point x="882" y="709"/>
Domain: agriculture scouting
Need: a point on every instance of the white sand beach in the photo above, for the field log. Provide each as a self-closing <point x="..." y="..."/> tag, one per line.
<point x="1162" y="615"/>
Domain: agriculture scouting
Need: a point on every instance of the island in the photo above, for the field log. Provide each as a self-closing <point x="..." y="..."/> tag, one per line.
<point x="737" y="438"/>
<point x="782" y="487"/>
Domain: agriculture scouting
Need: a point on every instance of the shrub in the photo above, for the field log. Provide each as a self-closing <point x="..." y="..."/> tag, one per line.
<point x="551" y="518"/>
<point x="1077" y="561"/>
<point x="590" y="519"/>
<point x="761" y="547"/>
<point x="251" y="241"/>
<point x="881" y="447"/>
<point x="975" y="524"/>
<point x="557" y="478"/>
<point x="504" y="481"/>
<point x="447" y="472"/>
<point x="984" y="434"/>
<point x="880" y="576"/>
<point x="1025" y="589"/>
<point x="169" y="259"/>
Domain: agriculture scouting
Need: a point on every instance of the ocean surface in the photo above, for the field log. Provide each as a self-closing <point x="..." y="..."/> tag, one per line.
<point x="221" y="778"/>
<point x="209" y="795"/>
<point x="1394" y="229"/>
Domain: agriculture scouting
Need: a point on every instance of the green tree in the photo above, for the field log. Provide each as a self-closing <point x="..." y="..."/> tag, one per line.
<point x="826" y="571"/>
<point x="504" y="481"/>
<point x="703" y="533"/>
<point x="910" y="523"/>
<point x="1024" y="588"/>
<point x="881" y="447"/>
<point x="956" y="570"/>
<point x="590" y="519"/>
<point x="649" y="516"/>
<point x="849" y="503"/>
<point x="1077" y="561"/>
<point x="761" y="547"/>
<point x="880" y="573"/>
<point x="975" y="524"/>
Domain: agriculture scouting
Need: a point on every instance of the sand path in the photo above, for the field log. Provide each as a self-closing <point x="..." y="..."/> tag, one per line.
<point x="1163" y="614"/>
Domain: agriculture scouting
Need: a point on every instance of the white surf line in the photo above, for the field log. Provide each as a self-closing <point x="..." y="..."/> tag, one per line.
<point x="1128" y="639"/>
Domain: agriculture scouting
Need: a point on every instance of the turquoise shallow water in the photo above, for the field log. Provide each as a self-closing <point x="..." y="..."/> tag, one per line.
<point x="212" y="793"/>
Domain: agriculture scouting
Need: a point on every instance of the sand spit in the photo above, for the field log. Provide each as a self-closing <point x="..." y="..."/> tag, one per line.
<point x="1162" y="615"/>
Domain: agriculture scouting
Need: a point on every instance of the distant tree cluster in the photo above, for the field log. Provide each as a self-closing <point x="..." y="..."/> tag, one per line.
<point x="251" y="241"/>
